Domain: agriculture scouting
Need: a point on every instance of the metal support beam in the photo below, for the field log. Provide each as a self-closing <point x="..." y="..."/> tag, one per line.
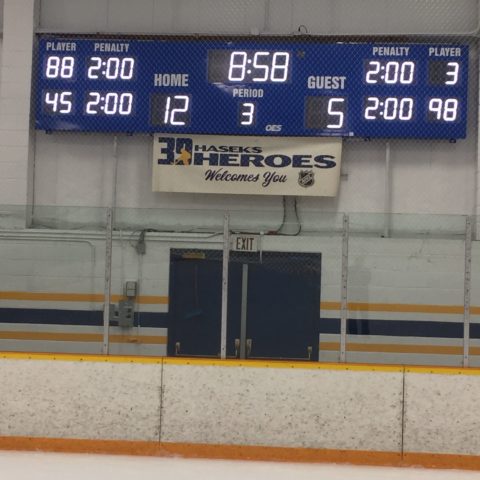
<point x="108" y="281"/>
<point x="243" y="312"/>
<point x="387" y="210"/>
<point x="344" y="288"/>
<point x="226" y="260"/>
<point x="467" y="291"/>
<point x="109" y="250"/>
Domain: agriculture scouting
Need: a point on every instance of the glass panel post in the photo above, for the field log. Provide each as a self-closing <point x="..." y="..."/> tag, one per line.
<point x="343" y="303"/>
<point x="467" y="291"/>
<point x="226" y="259"/>
<point x="108" y="281"/>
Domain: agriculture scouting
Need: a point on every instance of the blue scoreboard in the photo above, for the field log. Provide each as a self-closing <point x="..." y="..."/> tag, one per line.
<point x="277" y="86"/>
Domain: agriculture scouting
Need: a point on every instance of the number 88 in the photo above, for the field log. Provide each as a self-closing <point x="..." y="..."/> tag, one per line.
<point x="60" y="67"/>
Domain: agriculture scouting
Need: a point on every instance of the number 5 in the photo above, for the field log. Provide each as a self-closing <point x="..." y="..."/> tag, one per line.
<point x="259" y="66"/>
<point x="336" y="113"/>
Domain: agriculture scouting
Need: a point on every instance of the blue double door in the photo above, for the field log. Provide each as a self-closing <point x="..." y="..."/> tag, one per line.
<point x="273" y="304"/>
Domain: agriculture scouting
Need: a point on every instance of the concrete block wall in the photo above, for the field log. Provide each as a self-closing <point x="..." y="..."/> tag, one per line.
<point x="413" y="271"/>
<point x="16" y="135"/>
<point x="409" y="286"/>
<point x="281" y="16"/>
<point x="76" y="170"/>
<point x="411" y="291"/>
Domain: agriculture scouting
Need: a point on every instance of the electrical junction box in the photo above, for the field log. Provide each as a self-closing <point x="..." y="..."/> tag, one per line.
<point x="125" y="313"/>
<point x="130" y="289"/>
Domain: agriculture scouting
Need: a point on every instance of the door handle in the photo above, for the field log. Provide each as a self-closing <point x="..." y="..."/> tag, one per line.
<point x="249" y="346"/>
<point x="237" y="347"/>
<point x="177" y="348"/>
<point x="309" y="352"/>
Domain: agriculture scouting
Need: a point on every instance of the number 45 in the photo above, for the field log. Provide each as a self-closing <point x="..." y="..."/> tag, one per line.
<point x="60" y="102"/>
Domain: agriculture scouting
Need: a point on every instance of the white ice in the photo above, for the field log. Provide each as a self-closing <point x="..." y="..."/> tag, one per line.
<point x="58" y="466"/>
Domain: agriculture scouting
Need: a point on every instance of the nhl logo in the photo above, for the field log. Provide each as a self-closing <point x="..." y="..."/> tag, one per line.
<point x="306" y="178"/>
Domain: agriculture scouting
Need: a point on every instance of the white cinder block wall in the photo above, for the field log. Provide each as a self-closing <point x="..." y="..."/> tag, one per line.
<point x="73" y="170"/>
<point x="16" y="140"/>
<point x="427" y="177"/>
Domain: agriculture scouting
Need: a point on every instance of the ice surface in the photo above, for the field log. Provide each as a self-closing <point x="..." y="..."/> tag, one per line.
<point x="58" y="466"/>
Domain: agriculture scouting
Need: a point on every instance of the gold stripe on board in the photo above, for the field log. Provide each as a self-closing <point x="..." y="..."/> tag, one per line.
<point x="163" y="300"/>
<point x="399" y="308"/>
<point x="78" y="297"/>
<point x="84" y="357"/>
<point x="398" y="348"/>
<point x="83" y="337"/>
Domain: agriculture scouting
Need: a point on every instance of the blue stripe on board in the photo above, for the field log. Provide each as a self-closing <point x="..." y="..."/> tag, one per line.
<point x="75" y="317"/>
<point x="399" y="328"/>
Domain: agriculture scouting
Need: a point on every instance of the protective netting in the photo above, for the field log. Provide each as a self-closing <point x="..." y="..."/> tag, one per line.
<point x="137" y="104"/>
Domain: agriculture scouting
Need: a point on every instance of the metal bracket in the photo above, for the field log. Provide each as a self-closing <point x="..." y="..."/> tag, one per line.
<point x="249" y="346"/>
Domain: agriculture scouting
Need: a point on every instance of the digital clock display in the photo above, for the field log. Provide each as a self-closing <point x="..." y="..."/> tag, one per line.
<point x="111" y="68"/>
<point x="109" y="103"/>
<point x="390" y="72"/>
<point x="248" y="66"/>
<point x="252" y="86"/>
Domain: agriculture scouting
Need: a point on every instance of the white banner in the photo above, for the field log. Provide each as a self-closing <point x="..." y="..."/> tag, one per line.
<point x="248" y="165"/>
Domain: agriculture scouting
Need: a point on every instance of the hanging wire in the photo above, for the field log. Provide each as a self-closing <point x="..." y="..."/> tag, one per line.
<point x="278" y="231"/>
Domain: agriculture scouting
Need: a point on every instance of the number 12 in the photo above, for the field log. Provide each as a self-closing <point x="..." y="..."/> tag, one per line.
<point x="173" y="116"/>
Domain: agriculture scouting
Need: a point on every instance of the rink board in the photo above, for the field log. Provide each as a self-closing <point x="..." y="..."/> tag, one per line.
<point x="388" y="415"/>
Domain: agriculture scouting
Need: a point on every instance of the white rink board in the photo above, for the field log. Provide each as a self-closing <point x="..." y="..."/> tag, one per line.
<point x="358" y="410"/>
<point x="90" y="400"/>
<point x="441" y="413"/>
<point x="347" y="408"/>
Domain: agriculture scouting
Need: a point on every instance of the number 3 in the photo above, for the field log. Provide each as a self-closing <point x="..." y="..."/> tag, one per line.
<point x="248" y="114"/>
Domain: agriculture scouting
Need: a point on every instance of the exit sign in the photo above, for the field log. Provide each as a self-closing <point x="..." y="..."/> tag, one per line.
<point x="245" y="243"/>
